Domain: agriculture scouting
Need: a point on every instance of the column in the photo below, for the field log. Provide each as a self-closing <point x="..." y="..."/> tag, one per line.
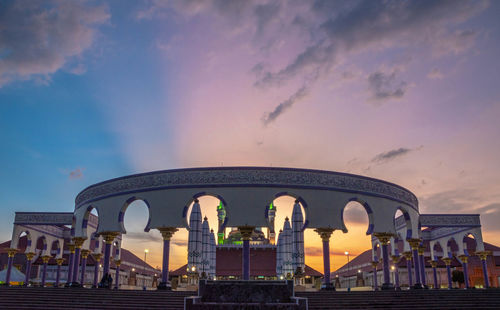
<point x="407" y="255"/>
<point x="71" y="248"/>
<point x="414" y="243"/>
<point x="108" y="239"/>
<point x="167" y="233"/>
<point x="447" y="261"/>
<point x="78" y="247"/>
<point x="45" y="260"/>
<point x="434" y="273"/>
<point x="384" y="239"/>
<point x="375" y="280"/>
<point x="118" y="262"/>
<point x="29" y="261"/>
<point x="464" y="259"/>
<point x="59" y="262"/>
<point x="483" y="256"/>
<point x="10" y="253"/>
<point x="246" y="234"/>
<point x="97" y="259"/>
<point x="325" y="234"/>
<point x="421" y="258"/>
<point x="395" y="261"/>
<point x="85" y="254"/>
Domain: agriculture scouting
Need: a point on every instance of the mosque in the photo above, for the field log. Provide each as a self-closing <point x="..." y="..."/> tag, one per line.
<point x="412" y="250"/>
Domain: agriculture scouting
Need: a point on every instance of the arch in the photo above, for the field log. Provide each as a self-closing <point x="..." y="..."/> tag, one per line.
<point x="85" y="219"/>
<point x="452" y="247"/>
<point x="186" y="211"/>
<point x="368" y="210"/>
<point x="407" y="221"/>
<point x="121" y="214"/>
<point x="18" y="236"/>
<point x="469" y="247"/>
<point x="436" y="247"/>
<point x="298" y="199"/>
<point x="41" y="244"/>
<point x="55" y="248"/>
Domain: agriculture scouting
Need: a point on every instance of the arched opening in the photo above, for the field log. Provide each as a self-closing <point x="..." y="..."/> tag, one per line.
<point x="55" y="248"/>
<point x="402" y="223"/>
<point x="470" y="244"/>
<point x="452" y="247"/>
<point x="24" y="241"/>
<point x="41" y="245"/>
<point x="438" y="251"/>
<point x="280" y="209"/>
<point x="90" y="222"/>
<point x="357" y="225"/>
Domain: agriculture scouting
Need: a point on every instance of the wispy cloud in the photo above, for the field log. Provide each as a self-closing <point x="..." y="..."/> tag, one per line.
<point x="390" y="155"/>
<point x="76" y="174"/>
<point x="384" y="86"/>
<point x="144" y="237"/>
<point x="284" y="106"/>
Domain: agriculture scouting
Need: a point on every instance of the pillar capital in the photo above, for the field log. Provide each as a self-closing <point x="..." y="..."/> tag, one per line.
<point x="414" y="243"/>
<point x="97" y="256"/>
<point x="434" y="263"/>
<point x="118" y="262"/>
<point x="421" y="250"/>
<point x="246" y="232"/>
<point x="407" y="255"/>
<point x="85" y="253"/>
<point x="325" y="233"/>
<point x="109" y="236"/>
<point x="167" y="232"/>
<point x="59" y="261"/>
<point x="78" y="241"/>
<point x="11" y="252"/>
<point x="71" y="248"/>
<point x="29" y="255"/>
<point x="46" y="258"/>
<point x="446" y="260"/>
<point x="483" y="255"/>
<point x="384" y="238"/>
<point x="395" y="258"/>
<point x="464" y="258"/>
<point x="374" y="264"/>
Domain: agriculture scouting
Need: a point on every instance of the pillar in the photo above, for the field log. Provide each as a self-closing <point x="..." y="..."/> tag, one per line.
<point x="167" y="233"/>
<point x="421" y="258"/>
<point x="325" y="234"/>
<point x="246" y="234"/>
<point x="71" y="248"/>
<point x="464" y="259"/>
<point x="10" y="253"/>
<point x="59" y="262"/>
<point x="375" y="280"/>
<point x="29" y="261"/>
<point x="76" y="264"/>
<point x="447" y="262"/>
<point x="414" y="243"/>
<point x="384" y="239"/>
<point x="407" y="255"/>
<point x="108" y="239"/>
<point x="118" y="262"/>
<point x="483" y="256"/>
<point x="434" y="273"/>
<point x="97" y="259"/>
<point x="45" y="260"/>
<point x="85" y="254"/>
<point x="395" y="261"/>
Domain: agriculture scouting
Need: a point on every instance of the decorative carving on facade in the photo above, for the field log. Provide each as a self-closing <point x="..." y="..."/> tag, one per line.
<point x="440" y="220"/>
<point x="51" y="218"/>
<point x="282" y="177"/>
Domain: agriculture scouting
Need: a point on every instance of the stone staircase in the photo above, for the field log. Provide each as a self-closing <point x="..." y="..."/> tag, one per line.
<point x="80" y="298"/>
<point x="407" y="300"/>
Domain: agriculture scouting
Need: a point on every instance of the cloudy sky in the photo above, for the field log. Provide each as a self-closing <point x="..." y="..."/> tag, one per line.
<point x="408" y="92"/>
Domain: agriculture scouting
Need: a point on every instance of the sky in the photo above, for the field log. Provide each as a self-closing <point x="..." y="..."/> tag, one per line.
<point x="404" y="91"/>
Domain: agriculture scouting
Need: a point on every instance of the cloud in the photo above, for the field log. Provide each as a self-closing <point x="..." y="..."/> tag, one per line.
<point x="180" y="242"/>
<point x="40" y="38"/>
<point x="76" y="174"/>
<point x="144" y="237"/>
<point x="384" y="86"/>
<point x="355" y="214"/>
<point x="284" y="106"/>
<point x="390" y="155"/>
<point x="435" y="74"/>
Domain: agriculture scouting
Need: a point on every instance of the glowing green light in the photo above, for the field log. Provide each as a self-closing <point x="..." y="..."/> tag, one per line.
<point x="220" y="206"/>
<point x="271" y="206"/>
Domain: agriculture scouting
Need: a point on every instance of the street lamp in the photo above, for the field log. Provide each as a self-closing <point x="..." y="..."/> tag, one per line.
<point x="146" y="251"/>
<point x="348" y="279"/>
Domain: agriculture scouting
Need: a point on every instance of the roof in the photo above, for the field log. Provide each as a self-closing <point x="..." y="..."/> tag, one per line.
<point x="262" y="263"/>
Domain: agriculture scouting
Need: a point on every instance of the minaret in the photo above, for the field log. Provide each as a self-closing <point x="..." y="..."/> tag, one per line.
<point x="221" y="215"/>
<point x="297" y="238"/>
<point x="287" y="249"/>
<point x="271" y="216"/>
<point x="194" y="239"/>
<point x="212" y="255"/>
<point x="205" y="248"/>
<point x="279" y="255"/>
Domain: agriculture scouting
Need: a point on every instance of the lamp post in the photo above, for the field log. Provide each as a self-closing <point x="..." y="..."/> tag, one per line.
<point x="348" y="279"/>
<point x="144" y="271"/>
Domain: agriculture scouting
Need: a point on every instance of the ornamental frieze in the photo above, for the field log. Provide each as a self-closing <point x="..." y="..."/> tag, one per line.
<point x="281" y="177"/>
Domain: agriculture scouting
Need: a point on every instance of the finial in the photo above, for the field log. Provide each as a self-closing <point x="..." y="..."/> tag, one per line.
<point x="286" y="219"/>
<point x="205" y="219"/>
<point x="212" y="230"/>
<point x="196" y="200"/>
